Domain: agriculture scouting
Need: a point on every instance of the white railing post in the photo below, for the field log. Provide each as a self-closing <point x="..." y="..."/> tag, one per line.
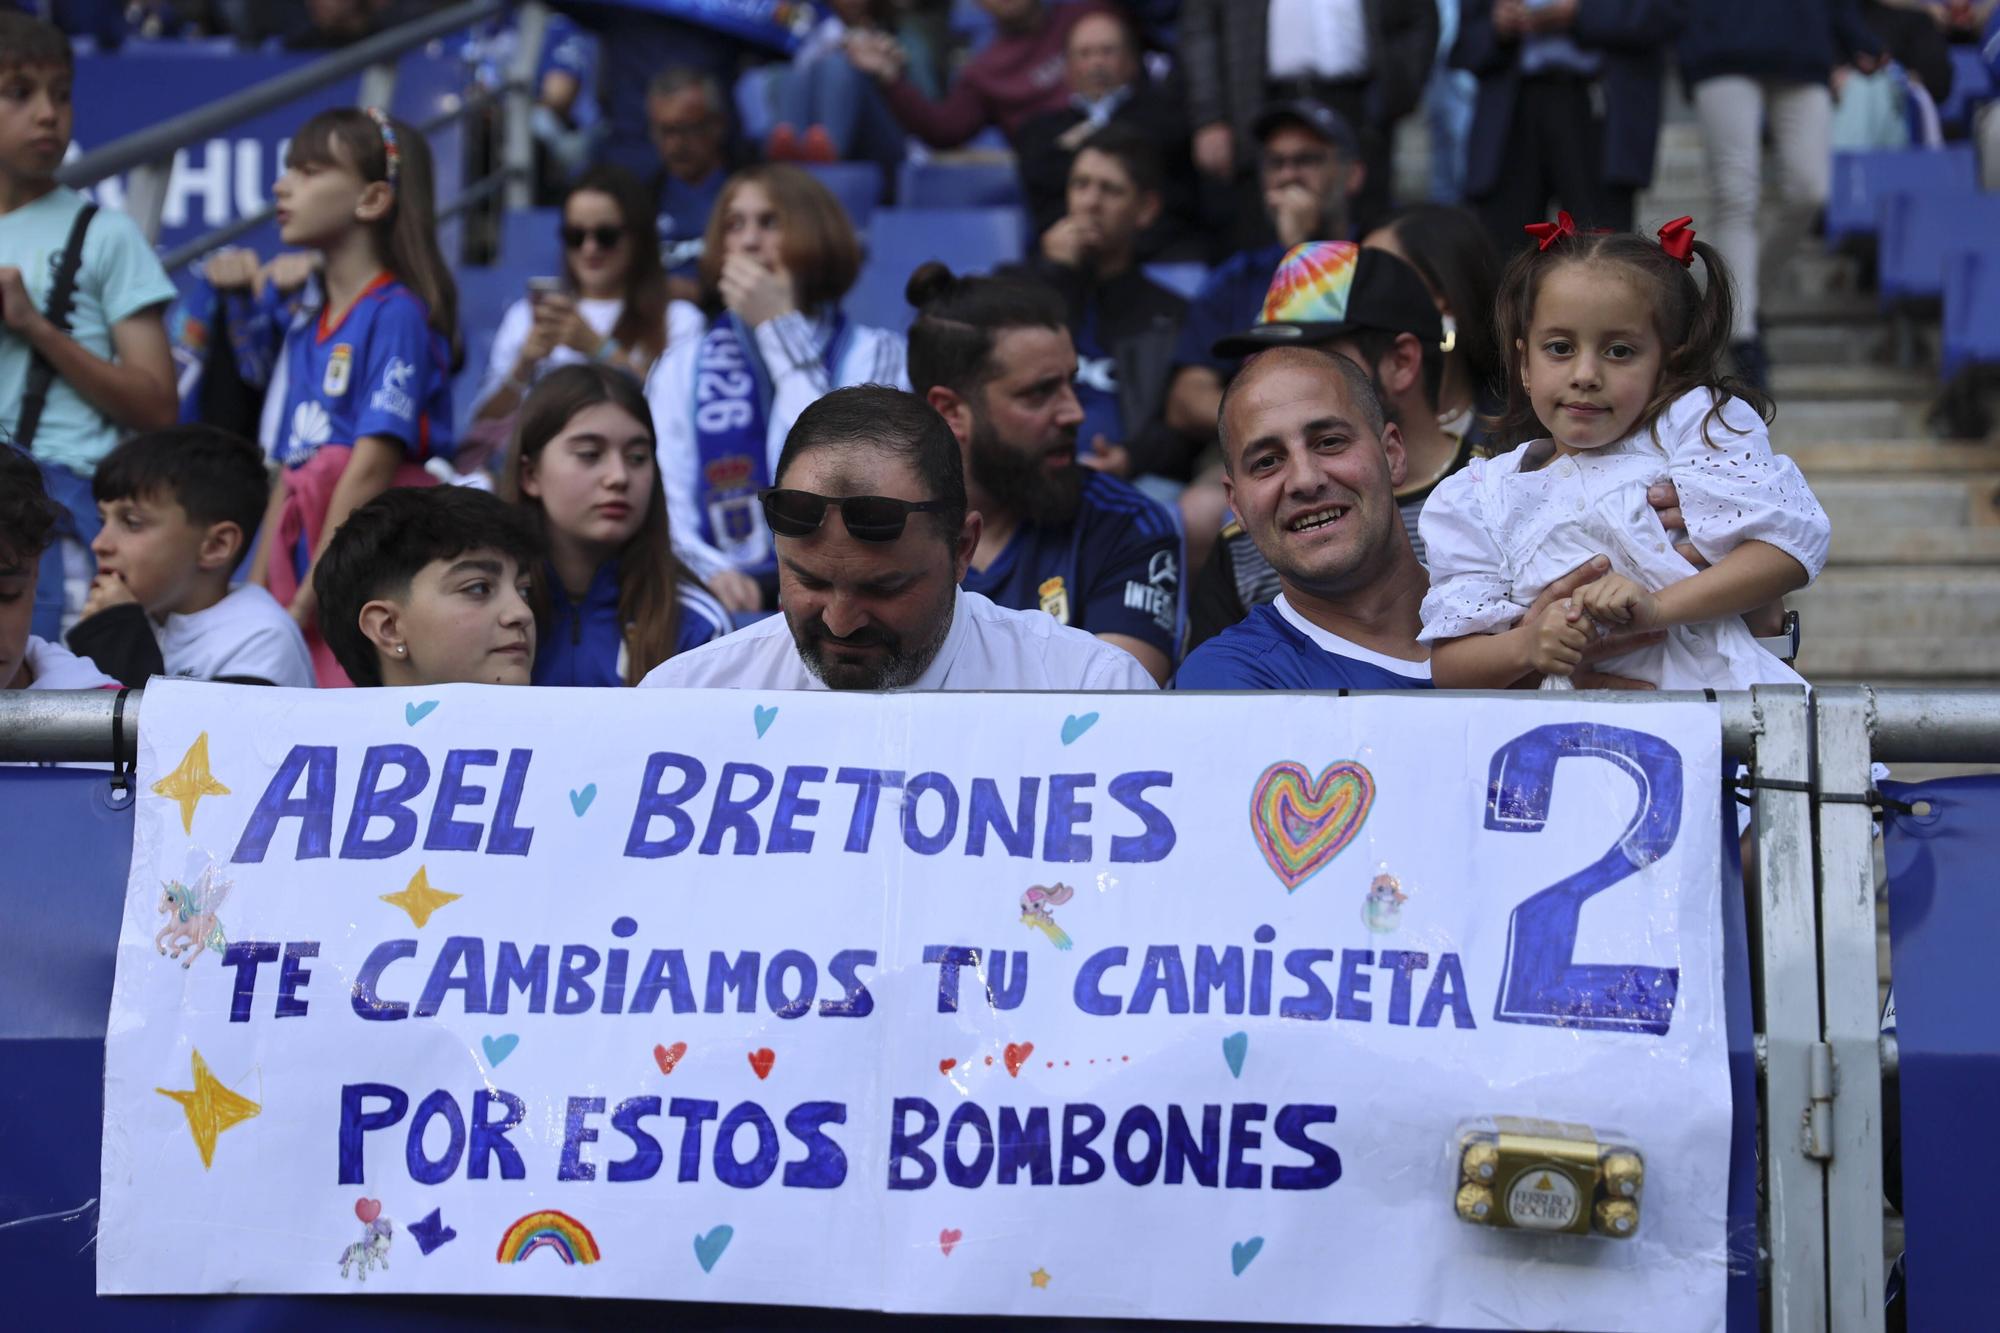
<point x="517" y="159"/>
<point x="1844" y="717"/>
<point x="1789" y="1001"/>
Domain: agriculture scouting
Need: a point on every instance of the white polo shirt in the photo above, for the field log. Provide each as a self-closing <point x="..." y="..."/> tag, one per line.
<point x="989" y="648"/>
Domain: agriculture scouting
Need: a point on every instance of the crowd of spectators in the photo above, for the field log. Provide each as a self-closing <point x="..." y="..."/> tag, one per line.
<point x="1066" y="474"/>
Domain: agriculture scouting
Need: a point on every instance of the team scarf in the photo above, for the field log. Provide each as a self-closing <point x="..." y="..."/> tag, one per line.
<point x="732" y="420"/>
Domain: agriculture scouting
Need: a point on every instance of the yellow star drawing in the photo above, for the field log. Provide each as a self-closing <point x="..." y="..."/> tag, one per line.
<point x="419" y="899"/>
<point x="211" y="1108"/>
<point x="191" y="781"/>
<point x="1040" y="1277"/>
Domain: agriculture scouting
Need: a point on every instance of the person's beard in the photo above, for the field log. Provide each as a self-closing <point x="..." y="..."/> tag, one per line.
<point x="899" y="664"/>
<point x="1022" y="482"/>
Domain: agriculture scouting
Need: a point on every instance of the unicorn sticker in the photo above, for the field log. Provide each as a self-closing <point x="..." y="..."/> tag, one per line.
<point x="1383" y="910"/>
<point x="371" y="1250"/>
<point x="1036" y="914"/>
<point x="192" y="925"/>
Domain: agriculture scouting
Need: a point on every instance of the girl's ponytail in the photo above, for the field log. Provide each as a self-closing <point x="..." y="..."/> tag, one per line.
<point x="411" y="245"/>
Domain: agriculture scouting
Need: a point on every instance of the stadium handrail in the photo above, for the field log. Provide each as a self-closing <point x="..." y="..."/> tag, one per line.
<point x="149" y="153"/>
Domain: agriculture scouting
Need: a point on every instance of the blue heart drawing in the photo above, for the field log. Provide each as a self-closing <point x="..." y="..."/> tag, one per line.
<point x="709" y="1248"/>
<point x="579" y="801"/>
<point x="499" y="1048"/>
<point x="1074" y="726"/>
<point x="431" y="1232"/>
<point x="1243" y="1251"/>
<point x="764" y="717"/>
<point x="1234" y="1047"/>
<point x="415" y="713"/>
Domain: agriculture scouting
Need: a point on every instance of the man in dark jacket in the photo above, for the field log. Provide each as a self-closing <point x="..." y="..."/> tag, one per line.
<point x="1752" y="68"/>
<point x="1366" y="59"/>
<point x="1107" y="86"/>
<point x="1123" y="324"/>
<point x="1569" y="107"/>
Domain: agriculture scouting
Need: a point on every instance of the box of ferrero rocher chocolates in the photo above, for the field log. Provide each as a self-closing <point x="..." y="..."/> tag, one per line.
<point x="1548" y="1176"/>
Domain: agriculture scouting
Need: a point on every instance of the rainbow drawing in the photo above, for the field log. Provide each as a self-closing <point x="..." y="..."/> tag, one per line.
<point x="1301" y="823"/>
<point x="1311" y="284"/>
<point x="569" y="1238"/>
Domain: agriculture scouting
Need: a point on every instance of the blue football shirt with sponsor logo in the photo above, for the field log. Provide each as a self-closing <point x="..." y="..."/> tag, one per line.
<point x="378" y="369"/>
<point x="1114" y="569"/>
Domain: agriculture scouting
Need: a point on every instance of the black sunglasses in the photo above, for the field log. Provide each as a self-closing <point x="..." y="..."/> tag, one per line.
<point x="872" y="518"/>
<point x="606" y="237"/>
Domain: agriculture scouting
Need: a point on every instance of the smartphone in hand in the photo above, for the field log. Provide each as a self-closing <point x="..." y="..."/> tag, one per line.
<point x="540" y="287"/>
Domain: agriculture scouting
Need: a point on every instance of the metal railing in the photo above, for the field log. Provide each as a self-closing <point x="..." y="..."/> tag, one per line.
<point x="1812" y="917"/>
<point x="148" y="155"/>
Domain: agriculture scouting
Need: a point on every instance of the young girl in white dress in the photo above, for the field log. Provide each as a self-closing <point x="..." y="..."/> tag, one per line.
<point x="1618" y="356"/>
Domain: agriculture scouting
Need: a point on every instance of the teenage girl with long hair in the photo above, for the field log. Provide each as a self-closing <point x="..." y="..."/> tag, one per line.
<point x="613" y="600"/>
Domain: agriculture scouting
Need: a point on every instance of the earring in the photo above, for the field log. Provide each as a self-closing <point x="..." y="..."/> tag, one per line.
<point x="400" y="650"/>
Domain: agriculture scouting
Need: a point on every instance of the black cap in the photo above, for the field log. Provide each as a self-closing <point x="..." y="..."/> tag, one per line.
<point x="1317" y="117"/>
<point x="1326" y="289"/>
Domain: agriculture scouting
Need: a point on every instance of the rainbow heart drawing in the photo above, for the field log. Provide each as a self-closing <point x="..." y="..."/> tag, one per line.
<point x="1301" y="822"/>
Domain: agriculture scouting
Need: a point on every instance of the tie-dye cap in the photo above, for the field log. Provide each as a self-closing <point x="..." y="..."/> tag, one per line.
<point x="1325" y="289"/>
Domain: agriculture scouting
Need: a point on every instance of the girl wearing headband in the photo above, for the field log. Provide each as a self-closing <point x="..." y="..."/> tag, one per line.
<point x="361" y="397"/>
<point x="1616" y="360"/>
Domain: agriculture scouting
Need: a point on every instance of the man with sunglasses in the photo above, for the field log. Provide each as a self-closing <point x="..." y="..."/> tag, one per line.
<point x="873" y="533"/>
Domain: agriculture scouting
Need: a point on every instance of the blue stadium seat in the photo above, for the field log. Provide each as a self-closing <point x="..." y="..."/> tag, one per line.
<point x="1971" y="85"/>
<point x="529" y="243"/>
<point x="1860" y="179"/>
<point x="959" y="185"/>
<point x="484" y="293"/>
<point x="858" y="186"/>
<point x="1971" y="308"/>
<point x="1181" y="279"/>
<point x="971" y="240"/>
<point x="1918" y="228"/>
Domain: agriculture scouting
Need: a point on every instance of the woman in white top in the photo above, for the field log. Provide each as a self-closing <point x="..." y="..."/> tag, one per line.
<point x="779" y="256"/>
<point x="613" y="306"/>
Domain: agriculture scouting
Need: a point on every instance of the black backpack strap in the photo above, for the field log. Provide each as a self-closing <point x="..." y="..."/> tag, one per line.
<point x="62" y="293"/>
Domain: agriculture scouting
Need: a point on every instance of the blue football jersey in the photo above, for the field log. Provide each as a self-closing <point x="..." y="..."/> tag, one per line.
<point x="1269" y="650"/>
<point x="1115" y="569"/>
<point x="379" y="369"/>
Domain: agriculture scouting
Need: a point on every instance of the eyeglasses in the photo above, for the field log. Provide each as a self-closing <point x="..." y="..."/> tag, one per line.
<point x="872" y="518"/>
<point x="606" y="237"/>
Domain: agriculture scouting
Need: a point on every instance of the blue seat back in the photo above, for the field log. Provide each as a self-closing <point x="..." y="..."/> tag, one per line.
<point x="1917" y="229"/>
<point x="858" y="186"/>
<point x="1181" y="279"/>
<point x="971" y="240"/>
<point x="1971" y="309"/>
<point x="1860" y="179"/>
<point x="530" y="243"/>
<point x="959" y="185"/>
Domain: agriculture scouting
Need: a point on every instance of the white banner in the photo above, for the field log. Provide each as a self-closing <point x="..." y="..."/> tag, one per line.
<point x="1115" y="1005"/>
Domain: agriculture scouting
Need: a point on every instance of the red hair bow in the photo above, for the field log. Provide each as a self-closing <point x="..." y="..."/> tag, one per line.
<point x="1677" y="239"/>
<point x="1547" y="234"/>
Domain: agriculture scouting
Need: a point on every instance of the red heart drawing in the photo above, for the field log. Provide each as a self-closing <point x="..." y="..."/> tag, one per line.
<point x="1017" y="1055"/>
<point x="762" y="1059"/>
<point x="946" y="1066"/>
<point x="949" y="1237"/>
<point x="367" y="1210"/>
<point x="669" y="1056"/>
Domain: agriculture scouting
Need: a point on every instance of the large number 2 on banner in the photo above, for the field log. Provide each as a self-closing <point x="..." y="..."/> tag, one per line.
<point x="1541" y="983"/>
